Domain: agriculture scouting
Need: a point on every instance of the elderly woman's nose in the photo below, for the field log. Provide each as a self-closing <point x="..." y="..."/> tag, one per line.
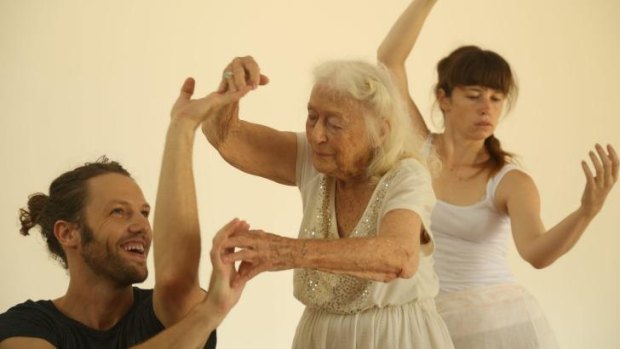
<point x="318" y="133"/>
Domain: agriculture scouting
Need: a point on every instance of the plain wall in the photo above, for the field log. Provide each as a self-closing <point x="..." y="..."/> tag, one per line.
<point x="79" y="79"/>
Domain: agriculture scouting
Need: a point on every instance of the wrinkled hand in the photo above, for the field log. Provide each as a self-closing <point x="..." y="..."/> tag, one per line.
<point x="258" y="251"/>
<point x="195" y="111"/>
<point x="240" y="74"/>
<point x="598" y="186"/>
<point x="225" y="287"/>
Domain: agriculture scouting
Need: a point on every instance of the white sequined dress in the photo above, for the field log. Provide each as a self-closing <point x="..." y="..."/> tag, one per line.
<point x="346" y="312"/>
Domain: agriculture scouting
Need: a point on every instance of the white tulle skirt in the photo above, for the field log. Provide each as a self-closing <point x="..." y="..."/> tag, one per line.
<point x="503" y="316"/>
<point x="411" y="326"/>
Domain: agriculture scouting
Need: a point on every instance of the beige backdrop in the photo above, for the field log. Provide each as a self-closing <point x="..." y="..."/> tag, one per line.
<point x="79" y="79"/>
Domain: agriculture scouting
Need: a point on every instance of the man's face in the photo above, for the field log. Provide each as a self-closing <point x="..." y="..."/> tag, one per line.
<point x="116" y="236"/>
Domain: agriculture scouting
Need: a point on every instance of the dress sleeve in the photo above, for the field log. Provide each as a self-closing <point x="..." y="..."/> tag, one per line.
<point x="411" y="189"/>
<point x="302" y="164"/>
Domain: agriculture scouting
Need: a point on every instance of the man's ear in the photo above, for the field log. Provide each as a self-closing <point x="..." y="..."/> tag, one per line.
<point x="67" y="233"/>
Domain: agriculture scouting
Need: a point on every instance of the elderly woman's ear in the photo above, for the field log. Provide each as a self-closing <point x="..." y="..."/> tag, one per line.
<point x="384" y="129"/>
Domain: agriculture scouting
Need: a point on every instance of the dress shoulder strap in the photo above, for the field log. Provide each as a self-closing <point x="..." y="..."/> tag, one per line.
<point x="494" y="182"/>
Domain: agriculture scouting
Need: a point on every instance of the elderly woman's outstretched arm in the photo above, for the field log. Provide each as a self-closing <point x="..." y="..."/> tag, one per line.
<point x="252" y="148"/>
<point x="392" y="253"/>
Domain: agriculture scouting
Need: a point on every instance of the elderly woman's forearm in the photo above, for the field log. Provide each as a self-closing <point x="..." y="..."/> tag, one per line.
<point x="374" y="258"/>
<point x="258" y="150"/>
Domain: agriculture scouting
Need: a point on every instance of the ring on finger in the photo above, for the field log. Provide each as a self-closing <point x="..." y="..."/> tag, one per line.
<point x="227" y="74"/>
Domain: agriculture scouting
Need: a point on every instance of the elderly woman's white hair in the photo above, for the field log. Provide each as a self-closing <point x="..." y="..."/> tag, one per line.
<point x="373" y="88"/>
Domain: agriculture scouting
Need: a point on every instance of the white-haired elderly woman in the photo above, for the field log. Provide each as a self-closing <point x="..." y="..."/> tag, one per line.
<point x="363" y="259"/>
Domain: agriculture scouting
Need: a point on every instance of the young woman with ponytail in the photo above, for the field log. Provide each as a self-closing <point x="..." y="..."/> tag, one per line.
<point x="484" y="198"/>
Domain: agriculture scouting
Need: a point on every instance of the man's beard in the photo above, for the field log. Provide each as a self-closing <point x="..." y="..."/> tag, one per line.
<point x="109" y="264"/>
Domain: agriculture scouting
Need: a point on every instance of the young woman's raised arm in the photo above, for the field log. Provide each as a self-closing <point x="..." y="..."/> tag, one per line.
<point x="397" y="46"/>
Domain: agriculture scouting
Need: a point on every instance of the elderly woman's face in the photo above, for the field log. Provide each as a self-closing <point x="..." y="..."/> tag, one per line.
<point x="336" y="131"/>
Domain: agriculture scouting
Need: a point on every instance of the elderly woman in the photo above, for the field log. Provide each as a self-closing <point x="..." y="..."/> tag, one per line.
<point x="363" y="259"/>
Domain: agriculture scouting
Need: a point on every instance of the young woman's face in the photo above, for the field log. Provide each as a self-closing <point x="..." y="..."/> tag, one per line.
<point x="472" y="111"/>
